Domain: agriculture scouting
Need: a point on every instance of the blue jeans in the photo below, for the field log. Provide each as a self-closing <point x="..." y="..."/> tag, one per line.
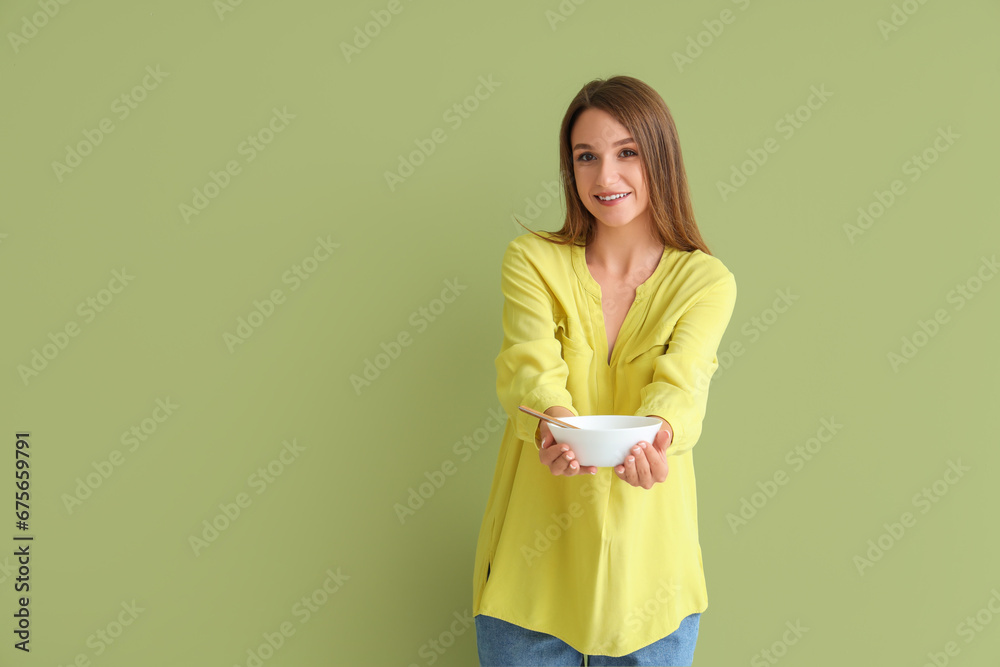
<point x="503" y="644"/>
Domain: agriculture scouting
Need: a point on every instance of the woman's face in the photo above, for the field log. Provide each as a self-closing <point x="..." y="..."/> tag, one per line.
<point x="606" y="162"/>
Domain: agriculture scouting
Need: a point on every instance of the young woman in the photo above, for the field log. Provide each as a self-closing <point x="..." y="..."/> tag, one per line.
<point x="619" y="312"/>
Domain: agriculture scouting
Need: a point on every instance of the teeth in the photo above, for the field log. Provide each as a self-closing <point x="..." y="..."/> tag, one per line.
<point x="611" y="197"/>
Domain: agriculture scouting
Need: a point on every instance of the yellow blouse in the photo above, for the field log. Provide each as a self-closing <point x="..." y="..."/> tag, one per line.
<point x="605" y="566"/>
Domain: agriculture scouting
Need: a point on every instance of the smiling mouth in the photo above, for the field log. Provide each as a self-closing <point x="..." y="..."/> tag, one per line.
<point x="615" y="197"/>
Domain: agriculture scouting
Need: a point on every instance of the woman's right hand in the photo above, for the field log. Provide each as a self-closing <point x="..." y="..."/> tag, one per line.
<point x="560" y="459"/>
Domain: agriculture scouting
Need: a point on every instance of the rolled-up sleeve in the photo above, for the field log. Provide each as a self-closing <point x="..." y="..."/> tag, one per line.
<point x="530" y="367"/>
<point x="678" y="391"/>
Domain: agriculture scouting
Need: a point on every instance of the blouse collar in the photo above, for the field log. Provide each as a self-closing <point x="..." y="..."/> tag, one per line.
<point x="579" y="258"/>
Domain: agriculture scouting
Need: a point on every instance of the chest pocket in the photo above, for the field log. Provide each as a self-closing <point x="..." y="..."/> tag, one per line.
<point x="569" y="333"/>
<point x="646" y="357"/>
<point x="641" y="363"/>
<point x="652" y="346"/>
<point x="579" y="358"/>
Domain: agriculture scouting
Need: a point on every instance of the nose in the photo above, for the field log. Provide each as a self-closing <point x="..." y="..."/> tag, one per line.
<point x="607" y="175"/>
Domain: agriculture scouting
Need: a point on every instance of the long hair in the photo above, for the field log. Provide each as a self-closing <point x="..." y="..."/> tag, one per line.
<point x="642" y="111"/>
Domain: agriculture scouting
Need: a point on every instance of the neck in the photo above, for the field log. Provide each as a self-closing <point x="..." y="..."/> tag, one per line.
<point x="620" y="251"/>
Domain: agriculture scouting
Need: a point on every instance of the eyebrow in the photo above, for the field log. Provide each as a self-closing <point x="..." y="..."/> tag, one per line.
<point x="627" y="140"/>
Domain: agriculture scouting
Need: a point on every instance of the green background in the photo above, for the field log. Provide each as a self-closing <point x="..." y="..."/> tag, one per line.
<point x="333" y="507"/>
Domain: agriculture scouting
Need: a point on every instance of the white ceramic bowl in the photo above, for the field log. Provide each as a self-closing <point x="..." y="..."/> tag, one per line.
<point x="605" y="440"/>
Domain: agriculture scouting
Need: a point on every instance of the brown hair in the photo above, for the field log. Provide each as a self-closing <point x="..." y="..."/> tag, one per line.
<point x="642" y="111"/>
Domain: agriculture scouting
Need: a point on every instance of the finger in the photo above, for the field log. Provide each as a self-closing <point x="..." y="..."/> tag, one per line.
<point x="620" y="471"/>
<point x="559" y="465"/>
<point x="566" y="464"/>
<point x="666" y="439"/>
<point x="549" y="454"/>
<point x="657" y="457"/>
<point x="630" y="475"/>
<point x="549" y="441"/>
<point x="560" y="459"/>
<point x="657" y="465"/>
<point x="573" y="467"/>
<point x="645" y="479"/>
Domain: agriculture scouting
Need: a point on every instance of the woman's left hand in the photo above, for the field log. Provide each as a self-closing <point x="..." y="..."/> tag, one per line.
<point x="647" y="463"/>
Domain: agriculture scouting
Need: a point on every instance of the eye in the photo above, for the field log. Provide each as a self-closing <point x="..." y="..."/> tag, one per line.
<point x="628" y="152"/>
